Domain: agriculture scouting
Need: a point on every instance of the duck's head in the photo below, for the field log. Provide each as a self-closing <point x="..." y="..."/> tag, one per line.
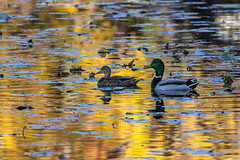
<point x="106" y="71"/>
<point x="158" y="66"/>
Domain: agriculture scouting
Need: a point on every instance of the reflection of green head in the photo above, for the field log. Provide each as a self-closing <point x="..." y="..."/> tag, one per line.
<point x="103" y="52"/>
<point x="158" y="66"/>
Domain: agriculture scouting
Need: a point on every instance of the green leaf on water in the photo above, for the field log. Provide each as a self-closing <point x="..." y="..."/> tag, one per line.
<point x="103" y="50"/>
<point x="227" y="55"/>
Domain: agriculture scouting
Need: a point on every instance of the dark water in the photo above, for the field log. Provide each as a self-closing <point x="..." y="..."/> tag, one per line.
<point x="48" y="112"/>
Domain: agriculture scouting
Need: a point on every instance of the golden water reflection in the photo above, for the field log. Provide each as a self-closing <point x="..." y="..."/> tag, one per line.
<point x="72" y="119"/>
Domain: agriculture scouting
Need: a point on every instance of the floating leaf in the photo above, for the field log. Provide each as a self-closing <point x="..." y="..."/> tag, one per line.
<point x="91" y="75"/>
<point x="4" y="17"/>
<point x="185" y="52"/>
<point x="76" y="69"/>
<point x="30" y="43"/>
<point x="103" y="50"/>
<point x="227" y="55"/>
<point x="227" y="79"/>
<point x="62" y="74"/>
<point x="142" y="49"/>
<point x="167" y="46"/>
<point x="130" y="65"/>
<point x="24" y="107"/>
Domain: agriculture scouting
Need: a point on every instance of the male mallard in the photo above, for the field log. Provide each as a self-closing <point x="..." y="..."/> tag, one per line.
<point x="169" y="86"/>
<point x="115" y="81"/>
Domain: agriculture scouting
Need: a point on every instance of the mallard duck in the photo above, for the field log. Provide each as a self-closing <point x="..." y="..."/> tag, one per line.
<point x="115" y="81"/>
<point x="169" y="86"/>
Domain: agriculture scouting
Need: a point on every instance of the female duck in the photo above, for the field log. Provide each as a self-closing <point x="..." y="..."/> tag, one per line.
<point x="172" y="86"/>
<point x="115" y="81"/>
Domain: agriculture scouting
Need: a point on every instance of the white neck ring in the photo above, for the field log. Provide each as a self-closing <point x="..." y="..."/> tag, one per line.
<point x="158" y="76"/>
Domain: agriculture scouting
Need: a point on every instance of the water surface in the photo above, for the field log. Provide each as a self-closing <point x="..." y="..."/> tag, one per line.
<point x="48" y="112"/>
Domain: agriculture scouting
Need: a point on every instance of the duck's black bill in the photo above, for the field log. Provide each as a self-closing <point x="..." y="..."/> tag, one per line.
<point x="146" y="67"/>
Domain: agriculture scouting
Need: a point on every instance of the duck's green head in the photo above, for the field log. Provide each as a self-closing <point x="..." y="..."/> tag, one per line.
<point x="158" y="66"/>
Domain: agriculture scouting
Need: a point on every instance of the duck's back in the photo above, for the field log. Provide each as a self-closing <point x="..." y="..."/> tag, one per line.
<point x="118" y="81"/>
<point x="175" y="81"/>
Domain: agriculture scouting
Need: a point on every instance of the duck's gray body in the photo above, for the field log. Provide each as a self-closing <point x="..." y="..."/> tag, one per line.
<point x="174" y="87"/>
<point x="176" y="84"/>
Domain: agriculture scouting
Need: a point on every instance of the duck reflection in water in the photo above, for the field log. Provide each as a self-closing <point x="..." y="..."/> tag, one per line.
<point x="107" y="96"/>
<point x="109" y="90"/>
<point x="160" y="109"/>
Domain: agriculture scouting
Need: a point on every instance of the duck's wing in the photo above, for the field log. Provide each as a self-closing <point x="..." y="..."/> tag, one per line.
<point x="177" y="84"/>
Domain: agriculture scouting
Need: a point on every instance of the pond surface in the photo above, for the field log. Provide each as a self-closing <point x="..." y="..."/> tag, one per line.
<point x="48" y="112"/>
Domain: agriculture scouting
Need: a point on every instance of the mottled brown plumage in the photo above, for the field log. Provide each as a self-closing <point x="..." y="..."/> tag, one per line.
<point x="115" y="81"/>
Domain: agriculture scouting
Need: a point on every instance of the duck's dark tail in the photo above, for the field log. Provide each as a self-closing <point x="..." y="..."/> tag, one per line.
<point x="135" y="81"/>
<point x="192" y="83"/>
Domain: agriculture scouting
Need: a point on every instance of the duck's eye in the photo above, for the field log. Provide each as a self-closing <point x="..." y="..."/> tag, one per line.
<point x="194" y="80"/>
